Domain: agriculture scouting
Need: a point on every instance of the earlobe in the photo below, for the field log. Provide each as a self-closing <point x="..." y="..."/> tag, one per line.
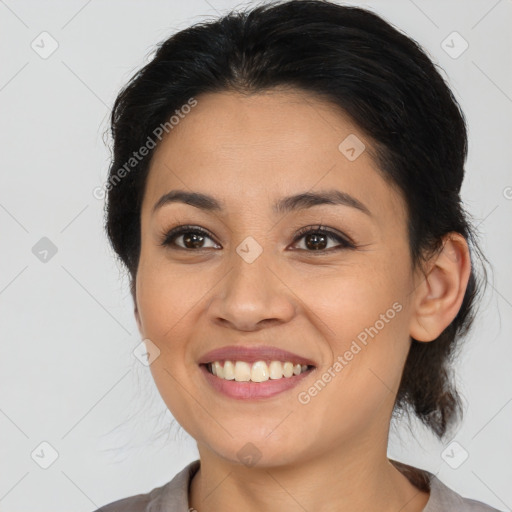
<point x="438" y="297"/>
<point x="137" y="318"/>
<point x="135" y="307"/>
<point x="137" y="315"/>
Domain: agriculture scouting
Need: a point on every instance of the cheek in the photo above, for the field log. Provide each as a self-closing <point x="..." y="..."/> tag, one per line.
<point x="365" y="322"/>
<point x="356" y="388"/>
<point x="352" y="298"/>
<point x="167" y="296"/>
<point x="166" y="299"/>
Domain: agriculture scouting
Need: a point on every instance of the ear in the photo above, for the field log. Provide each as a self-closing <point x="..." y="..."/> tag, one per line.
<point x="137" y="318"/>
<point x="439" y="294"/>
<point x="135" y="307"/>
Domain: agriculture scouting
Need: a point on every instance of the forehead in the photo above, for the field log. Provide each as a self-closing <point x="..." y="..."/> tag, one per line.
<point x="245" y="148"/>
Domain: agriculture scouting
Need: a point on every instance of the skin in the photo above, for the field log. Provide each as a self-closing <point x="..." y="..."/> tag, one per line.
<point x="331" y="453"/>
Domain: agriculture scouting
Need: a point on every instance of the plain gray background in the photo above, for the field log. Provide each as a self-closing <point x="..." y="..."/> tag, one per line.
<point x="67" y="373"/>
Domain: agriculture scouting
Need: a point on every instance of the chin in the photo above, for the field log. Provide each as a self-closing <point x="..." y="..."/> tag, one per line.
<point x="258" y="452"/>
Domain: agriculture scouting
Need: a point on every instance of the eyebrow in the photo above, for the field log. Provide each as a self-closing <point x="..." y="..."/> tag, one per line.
<point x="284" y="205"/>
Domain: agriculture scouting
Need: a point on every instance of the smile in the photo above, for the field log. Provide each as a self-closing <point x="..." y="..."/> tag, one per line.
<point x="247" y="372"/>
<point x="259" y="371"/>
<point x="266" y="385"/>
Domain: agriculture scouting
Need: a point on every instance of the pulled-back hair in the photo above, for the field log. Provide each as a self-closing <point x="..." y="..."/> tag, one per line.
<point x="360" y="64"/>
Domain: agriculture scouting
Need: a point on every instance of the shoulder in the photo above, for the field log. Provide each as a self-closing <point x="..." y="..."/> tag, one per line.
<point x="478" y="506"/>
<point x="171" y="497"/>
<point x="136" y="503"/>
<point x="444" y="498"/>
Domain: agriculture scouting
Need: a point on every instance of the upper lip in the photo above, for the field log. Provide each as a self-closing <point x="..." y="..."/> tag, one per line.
<point x="252" y="354"/>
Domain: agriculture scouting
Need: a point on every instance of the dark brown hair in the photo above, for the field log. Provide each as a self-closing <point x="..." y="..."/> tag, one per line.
<point x="357" y="61"/>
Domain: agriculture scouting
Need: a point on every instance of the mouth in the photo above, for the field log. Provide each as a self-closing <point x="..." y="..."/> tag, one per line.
<point x="258" y="371"/>
<point x="253" y="372"/>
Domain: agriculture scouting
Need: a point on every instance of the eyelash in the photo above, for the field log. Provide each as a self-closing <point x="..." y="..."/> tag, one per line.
<point x="169" y="236"/>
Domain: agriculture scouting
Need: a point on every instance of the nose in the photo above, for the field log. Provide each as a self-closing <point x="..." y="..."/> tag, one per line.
<point x="252" y="296"/>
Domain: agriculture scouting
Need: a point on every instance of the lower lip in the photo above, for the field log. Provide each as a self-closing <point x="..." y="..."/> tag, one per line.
<point x="252" y="390"/>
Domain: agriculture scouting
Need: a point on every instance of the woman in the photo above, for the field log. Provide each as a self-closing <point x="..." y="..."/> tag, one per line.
<point x="284" y="193"/>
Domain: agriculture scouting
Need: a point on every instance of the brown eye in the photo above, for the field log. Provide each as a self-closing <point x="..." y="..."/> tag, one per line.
<point x="317" y="239"/>
<point x="193" y="238"/>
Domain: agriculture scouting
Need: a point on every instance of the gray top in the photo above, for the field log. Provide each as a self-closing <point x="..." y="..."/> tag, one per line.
<point x="173" y="496"/>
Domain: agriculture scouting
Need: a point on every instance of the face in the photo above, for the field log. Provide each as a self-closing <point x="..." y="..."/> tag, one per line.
<point x="337" y="298"/>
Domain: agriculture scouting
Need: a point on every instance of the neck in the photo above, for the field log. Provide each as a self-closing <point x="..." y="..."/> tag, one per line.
<point x="353" y="478"/>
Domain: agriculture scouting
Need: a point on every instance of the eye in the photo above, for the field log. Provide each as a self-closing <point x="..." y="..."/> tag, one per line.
<point x="193" y="237"/>
<point x="317" y="238"/>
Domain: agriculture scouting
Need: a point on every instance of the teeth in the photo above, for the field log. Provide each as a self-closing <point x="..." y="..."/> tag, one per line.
<point x="229" y="370"/>
<point x="260" y="371"/>
<point x="219" y="371"/>
<point x="276" y="370"/>
<point x="242" y="371"/>
<point x="288" y="369"/>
